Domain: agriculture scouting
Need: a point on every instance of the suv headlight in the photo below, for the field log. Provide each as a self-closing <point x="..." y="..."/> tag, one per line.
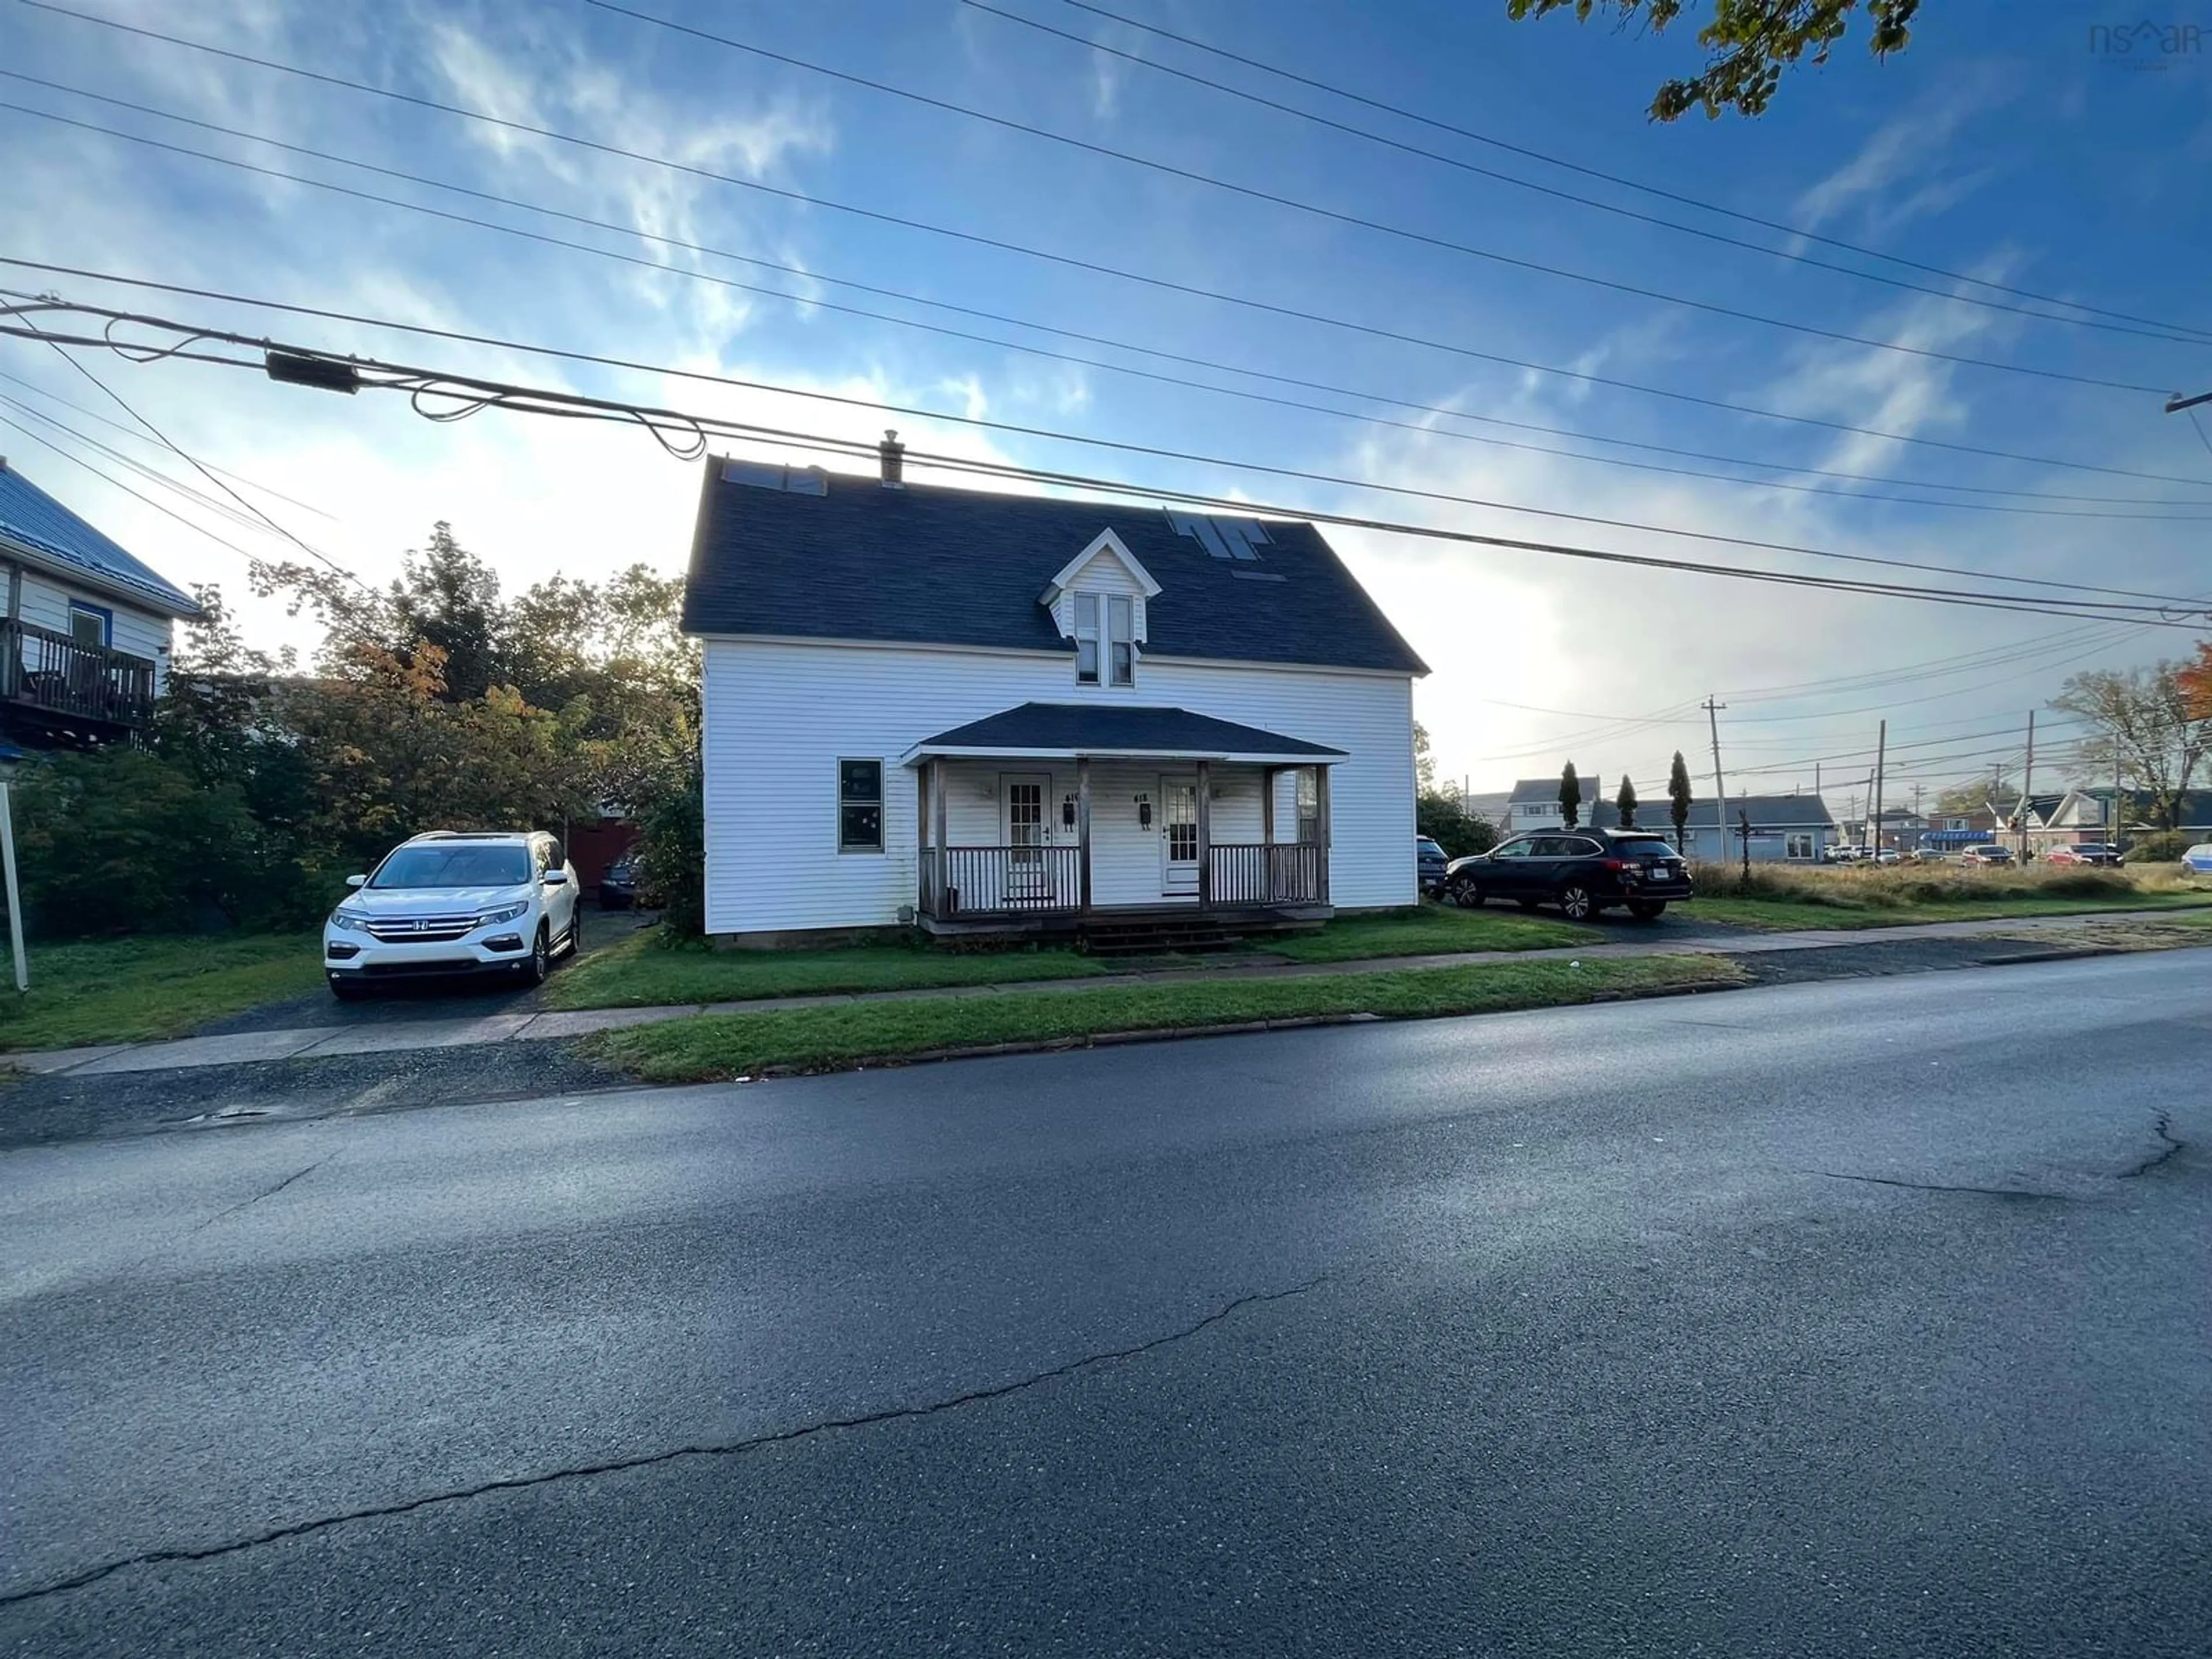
<point x="505" y="913"/>
<point x="348" y="921"/>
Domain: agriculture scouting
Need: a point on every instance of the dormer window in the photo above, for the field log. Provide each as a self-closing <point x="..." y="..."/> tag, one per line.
<point x="1121" y="641"/>
<point x="1086" y="639"/>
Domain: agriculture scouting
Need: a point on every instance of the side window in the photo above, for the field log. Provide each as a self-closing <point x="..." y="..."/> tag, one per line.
<point x="1308" y="805"/>
<point x="90" y="624"/>
<point x="536" y="859"/>
<point x="1086" y="639"/>
<point x="554" y="860"/>
<point x="1514" y="850"/>
<point x="859" y="806"/>
<point x="1120" y="623"/>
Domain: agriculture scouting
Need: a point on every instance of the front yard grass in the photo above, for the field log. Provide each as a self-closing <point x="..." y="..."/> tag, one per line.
<point x="643" y="971"/>
<point x="707" y="1047"/>
<point x="1788" y="915"/>
<point x="1431" y="930"/>
<point x="136" y="990"/>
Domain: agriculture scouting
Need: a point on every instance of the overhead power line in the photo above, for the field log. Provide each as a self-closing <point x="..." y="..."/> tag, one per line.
<point x="1677" y="197"/>
<point x="472" y="393"/>
<point x="1164" y="284"/>
<point x="1360" y="222"/>
<point x="155" y="476"/>
<point x="814" y="303"/>
<point x="2191" y="336"/>
<point x="113" y="483"/>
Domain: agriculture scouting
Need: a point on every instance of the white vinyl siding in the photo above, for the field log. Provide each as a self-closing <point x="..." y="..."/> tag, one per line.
<point x="778" y="714"/>
<point x="46" y="603"/>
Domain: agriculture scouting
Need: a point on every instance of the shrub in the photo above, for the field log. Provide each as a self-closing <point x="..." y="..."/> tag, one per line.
<point x="121" y="842"/>
<point x="671" y="854"/>
<point x="2159" y="847"/>
<point x="1902" y="886"/>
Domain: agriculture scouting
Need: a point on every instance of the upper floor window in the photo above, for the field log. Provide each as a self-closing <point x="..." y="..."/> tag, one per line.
<point x="1086" y="639"/>
<point x="1120" y="639"/>
<point x="90" y="624"/>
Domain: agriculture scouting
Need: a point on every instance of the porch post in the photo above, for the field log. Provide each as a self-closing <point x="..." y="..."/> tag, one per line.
<point x="937" y="831"/>
<point x="1320" y="802"/>
<point x="1205" y="833"/>
<point x="1083" y="831"/>
<point x="923" y="897"/>
<point x="1267" y="776"/>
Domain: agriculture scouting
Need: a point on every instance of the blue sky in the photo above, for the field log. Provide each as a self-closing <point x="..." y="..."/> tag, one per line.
<point x="2001" y="145"/>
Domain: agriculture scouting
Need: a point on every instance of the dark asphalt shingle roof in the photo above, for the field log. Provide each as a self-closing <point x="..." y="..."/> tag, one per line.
<point x="961" y="567"/>
<point x="1111" y="728"/>
<point x="41" y="525"/>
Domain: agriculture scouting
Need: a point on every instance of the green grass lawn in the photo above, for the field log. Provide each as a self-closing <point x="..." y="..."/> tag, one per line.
<point x="1433" y="929"/>
<point x="131" y="990"/>
<point x="642" y="972"/>
<point x="1783" y="914"/>
<point x="713" y="1046"/>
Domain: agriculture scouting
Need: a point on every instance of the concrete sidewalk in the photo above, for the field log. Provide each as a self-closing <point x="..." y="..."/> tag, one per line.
<point x="316" y="1041"/>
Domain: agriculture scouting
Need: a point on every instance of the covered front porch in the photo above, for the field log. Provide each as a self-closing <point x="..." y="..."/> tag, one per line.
<point x="1063" y="817"/>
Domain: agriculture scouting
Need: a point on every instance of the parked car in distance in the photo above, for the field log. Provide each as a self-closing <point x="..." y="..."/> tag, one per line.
<point x="2198" y="860"/>
<point x="1583" y="872"/>
<point x="450" y="902"/>
<point x="1984" y="855"/>
<point x="2088" y="853"/>
<point x="1887" y="855"/>
<point x="1431" y="857"/>
<point x="618" y="887"/>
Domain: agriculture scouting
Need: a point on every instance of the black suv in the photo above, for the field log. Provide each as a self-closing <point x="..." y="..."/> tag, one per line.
<point x="1581" y="871"/>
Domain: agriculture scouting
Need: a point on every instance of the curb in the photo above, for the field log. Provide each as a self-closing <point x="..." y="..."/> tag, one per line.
<point x="1184" y="1033"/>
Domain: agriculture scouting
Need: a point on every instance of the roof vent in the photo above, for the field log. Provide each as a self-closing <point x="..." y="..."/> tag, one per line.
<point x="1222" y="539"/>
<point x="773" y="475"/>
<point x="894" y="458"/>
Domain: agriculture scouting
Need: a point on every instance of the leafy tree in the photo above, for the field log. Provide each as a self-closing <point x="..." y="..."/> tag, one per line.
<point x="1749" y="43"/>
<point x="1624" y="803"/>
<point x="1571" y="796"/>
<point x="120" y="841"/>
<point x="1425" y="763"/>
<point x="1445" y="820"/>
<point x="2146" y="723"/>
<point x="2196" y="682"/>
<point x="1678" y="799"/>
<point x="672" y="851"/>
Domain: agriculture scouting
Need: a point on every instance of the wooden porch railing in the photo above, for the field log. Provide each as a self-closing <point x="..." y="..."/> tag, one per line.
<point x="1259" y="872"/>
<point x="51" y="671"/>
<point x="986" y="881"/>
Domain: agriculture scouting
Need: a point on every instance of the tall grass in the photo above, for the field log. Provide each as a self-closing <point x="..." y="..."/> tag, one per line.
<point x="1908" y="887"/>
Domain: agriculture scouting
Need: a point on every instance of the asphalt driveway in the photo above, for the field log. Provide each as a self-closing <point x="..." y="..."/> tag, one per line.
<point x="459" y="998"/>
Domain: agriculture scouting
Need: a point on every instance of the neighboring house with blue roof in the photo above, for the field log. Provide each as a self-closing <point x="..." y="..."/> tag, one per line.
<point x="85" y="644"/>
<point x="986" y="712"/>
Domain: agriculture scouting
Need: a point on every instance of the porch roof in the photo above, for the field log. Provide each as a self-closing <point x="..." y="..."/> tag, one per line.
<point x="1070" y="731"/>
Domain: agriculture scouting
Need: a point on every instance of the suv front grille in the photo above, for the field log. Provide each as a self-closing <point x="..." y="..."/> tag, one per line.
<point x="420" y="930"/>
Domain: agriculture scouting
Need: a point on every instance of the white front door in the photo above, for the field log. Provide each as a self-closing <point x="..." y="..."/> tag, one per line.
<point x="1178" y="835"/>
<point x="1027" y="835"/>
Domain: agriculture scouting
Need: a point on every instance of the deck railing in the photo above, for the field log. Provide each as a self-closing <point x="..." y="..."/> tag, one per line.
<point x="1260" y="873"/>
<point x="971" y="881"/>
<point x="52" y="671"/>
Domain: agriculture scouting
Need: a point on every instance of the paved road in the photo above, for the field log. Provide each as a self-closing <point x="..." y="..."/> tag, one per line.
<point x="1826" y="1319"/>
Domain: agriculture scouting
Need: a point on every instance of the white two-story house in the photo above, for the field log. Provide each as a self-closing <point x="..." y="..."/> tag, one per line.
<point x="977" y="712"/>
<point x="86" y="639"/>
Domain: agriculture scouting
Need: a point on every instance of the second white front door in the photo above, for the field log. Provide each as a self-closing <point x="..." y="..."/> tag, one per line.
<point x="1178" y="835"/>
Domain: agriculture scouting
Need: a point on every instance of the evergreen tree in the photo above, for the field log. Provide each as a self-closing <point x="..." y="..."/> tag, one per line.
<point x="1678" y="799"/>
<point x="1571" y="796"/>
<point x="1624" y="803"/>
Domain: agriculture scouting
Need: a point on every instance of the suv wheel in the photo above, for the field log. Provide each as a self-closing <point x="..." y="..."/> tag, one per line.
<point x="576" y="930"/>
<point x="1576" y="900"/>
<point x="541" y="958"/>
<point x="1464" y="892"/>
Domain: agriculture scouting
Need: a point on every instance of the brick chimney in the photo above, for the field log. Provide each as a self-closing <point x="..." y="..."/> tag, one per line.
<point x="894" y="458"/>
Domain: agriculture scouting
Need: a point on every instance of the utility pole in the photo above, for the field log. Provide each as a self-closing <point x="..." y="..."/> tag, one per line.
<point x="1720" y="789"/>
<point x="1881" y="764"/>
<point x="2027" y="783"/>
<point x="1816" y="777"/>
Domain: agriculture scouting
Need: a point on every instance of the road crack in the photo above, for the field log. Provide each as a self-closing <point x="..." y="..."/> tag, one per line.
<point x="2163" y="1129"/>
<point x="266" y="1192"/>
<point x="1939" y="1187"/>
<point x="618" y="1466"/>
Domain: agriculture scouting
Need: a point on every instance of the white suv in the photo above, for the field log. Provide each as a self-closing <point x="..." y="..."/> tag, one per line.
<point x="449" y="902"/>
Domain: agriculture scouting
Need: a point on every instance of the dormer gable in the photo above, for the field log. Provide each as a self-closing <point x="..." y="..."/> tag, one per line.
<point x="1106" y="568"/>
